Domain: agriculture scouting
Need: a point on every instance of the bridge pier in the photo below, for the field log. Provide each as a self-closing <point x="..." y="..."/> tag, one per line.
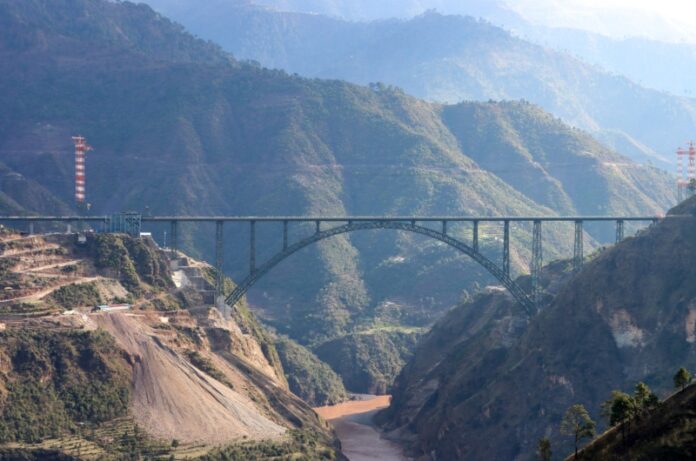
<point x="252" y="247"/>
<point x="318" y="224"/>
<point x="506" y="247"/>
<point x="444" y="227"/>
<point x="219" y="260"/>
<point x="578" y="255"/>
<point x="619" y="230"/>
<point x="475" y="238"/>
<point x="285" y="235"/>
<point x="537" y="262"/>
<point x="174" y="237"/>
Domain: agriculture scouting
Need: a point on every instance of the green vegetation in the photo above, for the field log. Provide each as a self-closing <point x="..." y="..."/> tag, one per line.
<point x="662" y="431"/>
<point x="304" y="445"/>
<point x="57" y="381"/>
<point x="577" y="424"/>
<point x="308" y="377"/>
<point x="207" y="366"/>
<point x="76" y="295"/>
<point x="544" y="452"/>
<point x="130" y="260"/>
<point x="369" y="361"/>
<point x="682" y="378"/>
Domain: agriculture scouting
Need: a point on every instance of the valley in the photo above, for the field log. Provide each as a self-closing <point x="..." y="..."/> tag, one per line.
<point x="278" y="231"/>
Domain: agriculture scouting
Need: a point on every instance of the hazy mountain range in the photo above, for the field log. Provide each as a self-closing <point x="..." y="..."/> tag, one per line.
<point x="454" y="58"/>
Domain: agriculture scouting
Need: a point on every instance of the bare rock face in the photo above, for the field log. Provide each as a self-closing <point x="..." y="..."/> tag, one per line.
<point x="483" y="374"/>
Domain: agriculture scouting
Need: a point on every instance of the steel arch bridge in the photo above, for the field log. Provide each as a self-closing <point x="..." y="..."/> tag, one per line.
<point x="527" y="303"/>
<point x="530" y="302"/>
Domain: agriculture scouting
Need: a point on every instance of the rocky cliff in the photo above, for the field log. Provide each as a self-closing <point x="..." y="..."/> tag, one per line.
<point x="486" y="383"/>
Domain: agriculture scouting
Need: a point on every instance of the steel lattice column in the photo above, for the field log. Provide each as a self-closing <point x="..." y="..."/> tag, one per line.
<point x="285" y="235"/>
<point x="252" y="247"/>
<point x="578" y="255"/>
<point x="174" y="235"/>
<point x="537" y="261"/>
<point x="506" y="248"/>
<point x="475" y="242"/>
<point x="219" y="259"/>
<point x="619" y="230"/>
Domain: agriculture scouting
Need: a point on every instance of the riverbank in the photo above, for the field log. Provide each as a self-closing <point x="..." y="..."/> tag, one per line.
<point x="360" y="439"/>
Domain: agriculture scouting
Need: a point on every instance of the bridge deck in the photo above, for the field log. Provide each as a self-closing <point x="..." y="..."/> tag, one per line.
<point x="346" y="218"/>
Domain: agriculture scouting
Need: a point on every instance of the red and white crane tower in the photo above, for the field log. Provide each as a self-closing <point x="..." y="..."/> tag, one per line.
<point x="81" y="147"/>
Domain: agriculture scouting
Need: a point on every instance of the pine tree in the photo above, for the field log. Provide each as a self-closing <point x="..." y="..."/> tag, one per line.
<point x="544" y="449"/>
<point x="682" y="378"/>
<point x="577" y="423"/>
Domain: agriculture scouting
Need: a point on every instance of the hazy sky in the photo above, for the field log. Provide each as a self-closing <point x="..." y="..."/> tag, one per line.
<point x="664" y="19"/>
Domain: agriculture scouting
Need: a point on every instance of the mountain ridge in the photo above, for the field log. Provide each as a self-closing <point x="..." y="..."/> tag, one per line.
<point x="454" y="58"/>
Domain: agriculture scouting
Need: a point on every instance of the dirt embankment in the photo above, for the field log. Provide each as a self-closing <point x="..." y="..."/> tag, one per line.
<point x="172" y="399"/>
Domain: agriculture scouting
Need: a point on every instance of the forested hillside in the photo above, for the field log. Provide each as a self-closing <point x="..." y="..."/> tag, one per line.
<point x="180" y="127"/>
<point x="450" y="59"/>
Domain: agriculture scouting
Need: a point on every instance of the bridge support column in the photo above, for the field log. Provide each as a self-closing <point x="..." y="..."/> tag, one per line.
<point x="252" y="247"/>
<point x="31" y="227"/>
<point x="619" y="230"/>
<point x="318" y="224"/>
<point x="506" y="248"/>
<point x="537" y="261"/>
<point x="285" y="235"/>
<point x="578" y="255"/>
<point x="475" y="238"/>
<point x="219" y="260"/>
<point x="444" y="227"/>
<point x="174" y="237"/>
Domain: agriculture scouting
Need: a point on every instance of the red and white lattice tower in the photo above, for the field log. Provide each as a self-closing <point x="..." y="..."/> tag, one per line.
<point x="691" y="170"/>
<point x="681" y="174"/>
<point x="81" y="147"/>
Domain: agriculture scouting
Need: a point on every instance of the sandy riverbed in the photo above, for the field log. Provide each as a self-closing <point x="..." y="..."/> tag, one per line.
<point x="360" y="439"/>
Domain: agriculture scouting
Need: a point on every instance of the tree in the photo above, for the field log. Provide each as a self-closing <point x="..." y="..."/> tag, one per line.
<point x="619" y="409"/>
<point x="544" y="449"/>
<point x="644" y="399"/>
<point x="682" y="378"/>
<point x="577" y="423"/>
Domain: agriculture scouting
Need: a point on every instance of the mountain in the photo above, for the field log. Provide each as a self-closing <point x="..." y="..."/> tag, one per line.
<point x="171" y="377"/>
<point x="648" y="22"/>
<point x="654" y="64"/>
<point x="180" y="127"/>
<point x="450" y="59"/>
<point x="484" y="373"/>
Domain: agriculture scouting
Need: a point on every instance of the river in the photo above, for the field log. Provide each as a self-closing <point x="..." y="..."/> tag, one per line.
<point x="360" y="438"/>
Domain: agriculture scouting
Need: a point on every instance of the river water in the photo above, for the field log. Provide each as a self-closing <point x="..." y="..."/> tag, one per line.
<point x="360" y="438"/>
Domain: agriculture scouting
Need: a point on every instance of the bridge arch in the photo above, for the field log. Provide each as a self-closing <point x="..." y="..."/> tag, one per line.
<point x="515" y="290"/>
